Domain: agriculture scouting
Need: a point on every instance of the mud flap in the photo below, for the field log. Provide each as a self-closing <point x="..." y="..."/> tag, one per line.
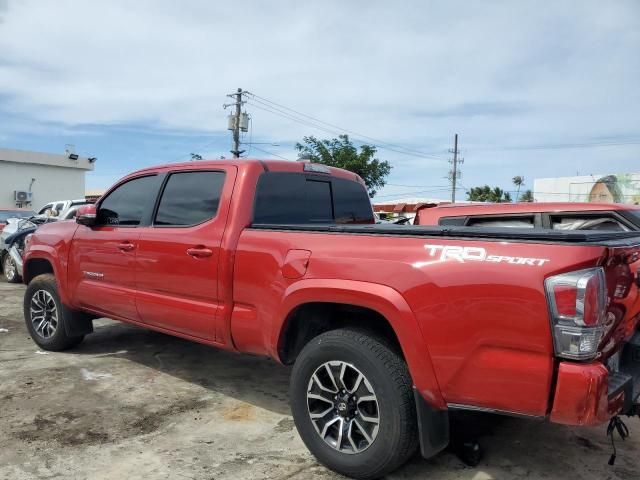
<point x="433" y="427"/>
<point x="77" y="323"/>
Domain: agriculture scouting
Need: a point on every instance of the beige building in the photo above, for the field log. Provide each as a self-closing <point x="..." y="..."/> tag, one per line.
<point x="32" y="179"/>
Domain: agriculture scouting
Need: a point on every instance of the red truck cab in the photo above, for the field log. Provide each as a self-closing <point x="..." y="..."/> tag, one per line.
<point x="389" y="328"/>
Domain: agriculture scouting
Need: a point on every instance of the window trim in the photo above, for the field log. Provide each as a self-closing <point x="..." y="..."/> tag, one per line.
<point x="537" y="219"/>
<point x="165" y="181"/>
<point x="144" y="218"/>
<point x="587" y="214"/>
<point x="460" y="221"/>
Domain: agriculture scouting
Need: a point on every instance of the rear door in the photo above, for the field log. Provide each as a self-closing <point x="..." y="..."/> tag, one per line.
<point x="102" y="266"/>
<point x="177" y="260"/>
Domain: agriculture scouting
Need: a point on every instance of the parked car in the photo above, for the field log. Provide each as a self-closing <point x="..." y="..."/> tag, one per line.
<point x="7" y="213"/>
<point x="389" y="328"/>
<point x="554" y="216"/>
<point x="12" y="242"/>
<point x="60" y="208"/>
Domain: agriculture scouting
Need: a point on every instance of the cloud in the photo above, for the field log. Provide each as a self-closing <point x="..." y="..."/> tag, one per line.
<point x="413" y="73"/>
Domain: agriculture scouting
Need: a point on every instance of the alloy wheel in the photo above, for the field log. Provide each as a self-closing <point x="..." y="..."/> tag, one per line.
<point x="343" y="407"/>
<point x="44" y="313"/>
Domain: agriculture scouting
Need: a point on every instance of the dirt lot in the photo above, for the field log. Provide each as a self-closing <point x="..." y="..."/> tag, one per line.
<point x="130" y="403"/>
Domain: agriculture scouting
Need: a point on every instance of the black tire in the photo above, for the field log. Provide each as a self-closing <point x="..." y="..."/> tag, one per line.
<point x="387" y="374"/>
<point x="8" y="265"/>
<point x="58" y="339"/>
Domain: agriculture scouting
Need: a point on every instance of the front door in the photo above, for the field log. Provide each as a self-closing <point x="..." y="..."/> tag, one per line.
<point x="177" y="259"/>
<point x="102" y="269"/>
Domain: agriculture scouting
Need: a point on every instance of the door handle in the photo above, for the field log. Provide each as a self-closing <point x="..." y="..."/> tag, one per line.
<point x="126" y="246"/>
<point x="199" y="252"/>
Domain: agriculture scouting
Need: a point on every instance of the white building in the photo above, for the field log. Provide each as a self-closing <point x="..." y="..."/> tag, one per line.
<point x="601" y="188"/>
<point x="31" y="179"/>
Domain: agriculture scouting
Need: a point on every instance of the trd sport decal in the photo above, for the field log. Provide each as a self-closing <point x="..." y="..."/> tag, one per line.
<point x="460" y="254"/>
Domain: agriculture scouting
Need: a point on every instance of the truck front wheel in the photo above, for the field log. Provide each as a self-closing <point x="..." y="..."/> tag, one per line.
<point x="45" y="316"/>
<point x="353" y="405"/>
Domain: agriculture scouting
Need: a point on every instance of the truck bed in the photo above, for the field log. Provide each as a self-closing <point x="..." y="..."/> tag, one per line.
<point x="588" y="237"/>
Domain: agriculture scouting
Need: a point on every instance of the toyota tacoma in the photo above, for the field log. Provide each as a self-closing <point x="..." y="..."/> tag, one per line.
<point x="389" y="328"/>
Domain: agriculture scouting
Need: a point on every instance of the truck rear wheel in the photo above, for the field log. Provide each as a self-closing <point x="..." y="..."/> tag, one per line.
<point x="353" y="405"/>
<point x="45" y="315"/>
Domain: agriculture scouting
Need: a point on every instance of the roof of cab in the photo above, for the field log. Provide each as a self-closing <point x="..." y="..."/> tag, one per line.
<point x="267" y="165"/>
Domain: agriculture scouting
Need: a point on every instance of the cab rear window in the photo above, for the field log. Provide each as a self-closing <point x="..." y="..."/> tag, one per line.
<point x="295" y="198"/>
<point x="519" y="221"/>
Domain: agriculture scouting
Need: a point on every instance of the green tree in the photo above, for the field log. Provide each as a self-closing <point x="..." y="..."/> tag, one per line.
<point x="527" y="196"/>
<point x="488" y="194"/>
<point x="518" y="181"/>
<point x="195" y="156"/>
<point x="340" y="152"/>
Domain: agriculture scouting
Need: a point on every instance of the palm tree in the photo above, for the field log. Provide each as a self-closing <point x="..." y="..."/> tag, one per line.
<point x="527" y="196"/>
<point x="518" y="181"/>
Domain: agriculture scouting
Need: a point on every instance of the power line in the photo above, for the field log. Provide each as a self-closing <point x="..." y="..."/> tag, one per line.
<point x="415" y="186"/>
<point x="335" y="129"/>
<point x="559" y="146"/>
<point x="270" y="153"/>
<point x="319" y="127"/>
<point x="399" y="194"/>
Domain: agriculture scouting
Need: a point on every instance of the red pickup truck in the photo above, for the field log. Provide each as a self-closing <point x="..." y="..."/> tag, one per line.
<point x="389" y="328"/>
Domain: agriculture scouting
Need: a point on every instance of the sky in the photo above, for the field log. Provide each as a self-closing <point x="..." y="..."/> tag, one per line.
<point x="538" y="89"/>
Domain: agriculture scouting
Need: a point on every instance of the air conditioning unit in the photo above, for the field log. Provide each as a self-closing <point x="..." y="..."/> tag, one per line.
<point x="22" y="196"/>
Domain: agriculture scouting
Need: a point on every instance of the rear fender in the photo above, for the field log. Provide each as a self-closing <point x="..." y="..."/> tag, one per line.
<point x="379" y="298"/>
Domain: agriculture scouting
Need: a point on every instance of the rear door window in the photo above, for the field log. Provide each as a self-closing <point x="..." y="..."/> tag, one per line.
<point x="519" y="221"/>
<point x="190" y="198"/>
<point x="587" y="222"/>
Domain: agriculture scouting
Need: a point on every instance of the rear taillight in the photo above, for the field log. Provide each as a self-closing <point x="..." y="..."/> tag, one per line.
<point x="577" y="303"/>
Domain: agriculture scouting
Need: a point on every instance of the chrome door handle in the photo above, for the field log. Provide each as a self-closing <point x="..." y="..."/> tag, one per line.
<point x="199" y="252"/>
<point x="126" y="246"/>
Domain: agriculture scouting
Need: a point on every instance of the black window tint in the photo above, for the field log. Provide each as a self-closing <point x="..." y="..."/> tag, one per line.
<point x="587" y="223"/>
<point x="318" y="202"/>
<point x="351" y="202"/>
<point x="126" y="204"/>
<point x="293" y="198"/>
<point x="513" y="222"/>
<point x="190" y="198"/>
<point x="452" y="221"/>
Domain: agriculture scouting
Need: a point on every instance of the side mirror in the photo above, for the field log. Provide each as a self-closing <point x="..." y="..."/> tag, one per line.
<point x="86" y="215"/>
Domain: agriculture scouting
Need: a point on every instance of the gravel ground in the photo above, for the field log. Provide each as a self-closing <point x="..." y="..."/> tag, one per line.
<point x="131" y="403"/>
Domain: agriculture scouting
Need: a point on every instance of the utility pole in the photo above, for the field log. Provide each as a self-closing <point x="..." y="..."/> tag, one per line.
<point x="455" y="173"/>
<point x="237" y="121"/>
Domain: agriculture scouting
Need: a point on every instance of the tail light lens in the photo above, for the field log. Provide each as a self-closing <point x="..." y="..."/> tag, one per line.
<point x="577" y="303"/>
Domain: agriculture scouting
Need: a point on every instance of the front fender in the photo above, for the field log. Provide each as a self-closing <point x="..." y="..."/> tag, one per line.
<point x="50" y="254"/>
<point x="382" y="299"/>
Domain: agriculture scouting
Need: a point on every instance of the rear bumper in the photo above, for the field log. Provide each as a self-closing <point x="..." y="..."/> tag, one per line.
<point x="589" y="394"/>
